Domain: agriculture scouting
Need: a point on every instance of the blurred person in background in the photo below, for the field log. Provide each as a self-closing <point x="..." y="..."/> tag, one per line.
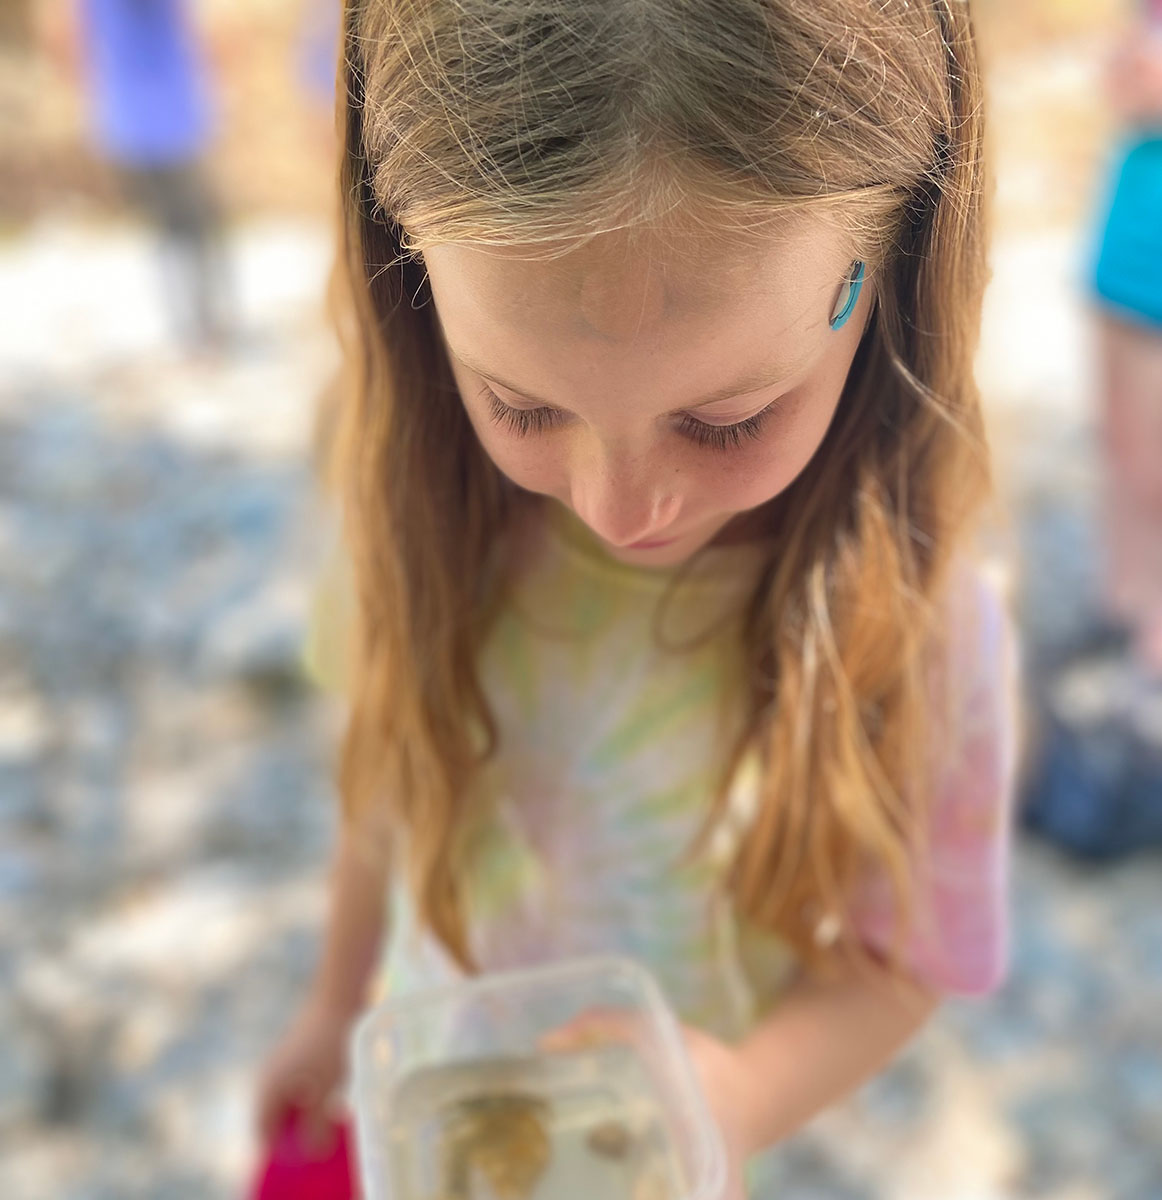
<point x="1098" y="792"/>
<point x="1128" y="283"/>
<point x="318" y="55"/>
<point x="152" y="120"/>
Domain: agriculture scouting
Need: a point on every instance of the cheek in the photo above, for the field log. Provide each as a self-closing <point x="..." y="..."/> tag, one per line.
<point x="531" y="463"/>
<point x="756" y="473"/>
<point x="741" y="480"/>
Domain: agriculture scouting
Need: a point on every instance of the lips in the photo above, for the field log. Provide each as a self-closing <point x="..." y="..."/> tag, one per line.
<point x="651" y="545"/>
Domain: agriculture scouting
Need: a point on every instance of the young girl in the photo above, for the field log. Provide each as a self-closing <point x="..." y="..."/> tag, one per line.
<point x="658" y="454"/>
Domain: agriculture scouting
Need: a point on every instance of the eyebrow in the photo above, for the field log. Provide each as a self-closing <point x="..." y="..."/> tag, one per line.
<point x="754" y="382"/>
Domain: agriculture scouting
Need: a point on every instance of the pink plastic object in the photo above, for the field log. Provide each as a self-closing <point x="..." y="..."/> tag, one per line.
<point x="293" y="1172"/>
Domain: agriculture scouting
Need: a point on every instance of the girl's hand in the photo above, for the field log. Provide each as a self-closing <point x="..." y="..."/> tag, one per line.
<point x="725" y="1080"/>
<point x="303" y="1072"/>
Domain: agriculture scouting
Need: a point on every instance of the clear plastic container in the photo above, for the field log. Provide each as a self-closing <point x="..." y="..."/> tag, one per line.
<point x="463" y="1093"/>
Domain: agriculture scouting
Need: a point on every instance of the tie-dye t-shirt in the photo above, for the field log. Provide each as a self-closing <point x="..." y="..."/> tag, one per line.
<point x="615" y="695"/>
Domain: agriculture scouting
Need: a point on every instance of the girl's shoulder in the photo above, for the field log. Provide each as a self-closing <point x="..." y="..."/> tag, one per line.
<point x="974" y="662"/>
<point x="974" y="603"/>
<point x="974" y="737"/>
<point x="962" y="942"/>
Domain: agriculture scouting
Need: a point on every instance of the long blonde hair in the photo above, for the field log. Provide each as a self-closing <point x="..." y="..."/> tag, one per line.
<point x="538" y="122"/>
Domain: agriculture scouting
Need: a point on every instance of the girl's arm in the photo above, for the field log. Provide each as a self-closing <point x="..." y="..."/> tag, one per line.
<point x="1134" y="75"/>
<point x="828" y="1036"/>
<point x="309" y="1064"/>
<point x="355" y="926"/>
<point x="825" y="1038"/>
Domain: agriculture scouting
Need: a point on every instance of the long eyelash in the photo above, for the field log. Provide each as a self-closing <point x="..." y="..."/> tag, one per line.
<point x="520" y="421"/>
<point x="523" y="421"/>
<point x="726" y="437"/>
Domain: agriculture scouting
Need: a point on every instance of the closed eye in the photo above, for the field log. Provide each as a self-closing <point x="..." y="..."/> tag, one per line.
<point x="726" y="437"/>
<point x="521" y="421"/>
<point x="526" y="421"/>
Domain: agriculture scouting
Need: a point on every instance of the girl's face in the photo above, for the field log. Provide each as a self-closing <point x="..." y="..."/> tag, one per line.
<point x="657" y="399"/>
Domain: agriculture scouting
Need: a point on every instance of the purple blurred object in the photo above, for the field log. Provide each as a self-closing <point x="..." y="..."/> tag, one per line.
<point x="151" y="103"/>
<point x="320" y="48"/>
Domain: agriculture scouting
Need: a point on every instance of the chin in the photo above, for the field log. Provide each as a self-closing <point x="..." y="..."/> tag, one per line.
<point x="668" y="556"/>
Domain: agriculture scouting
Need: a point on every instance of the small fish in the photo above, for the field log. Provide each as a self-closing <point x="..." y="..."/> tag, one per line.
<point x="610" y="1139"/>
<point x="503" y="1137"/>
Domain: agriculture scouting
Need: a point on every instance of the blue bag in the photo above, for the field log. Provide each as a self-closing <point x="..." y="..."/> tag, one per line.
<point x="1096" y="785"/>
<point x="1097" y="797"/>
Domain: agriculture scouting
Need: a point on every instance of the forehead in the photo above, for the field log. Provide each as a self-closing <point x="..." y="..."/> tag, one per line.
<point x="620" y="291"/>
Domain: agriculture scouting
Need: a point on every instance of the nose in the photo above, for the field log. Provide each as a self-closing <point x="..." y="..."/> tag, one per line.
<point x="622" y="503"/>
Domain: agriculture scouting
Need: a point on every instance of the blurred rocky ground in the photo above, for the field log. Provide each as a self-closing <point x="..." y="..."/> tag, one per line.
<point x="165" y="795"/>
<point x="164" y="769"/>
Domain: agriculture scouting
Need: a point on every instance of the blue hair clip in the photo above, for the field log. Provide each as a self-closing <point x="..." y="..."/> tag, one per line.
<point x="852" y="287"/>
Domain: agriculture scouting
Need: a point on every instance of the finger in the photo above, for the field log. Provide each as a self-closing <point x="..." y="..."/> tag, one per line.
<point x="317" y="1131"/>
<point x="286" y="1100"/>
<point x="594" y="1027"/>
<point x="269" y="1111"/>
<point x="283" y="1110"/>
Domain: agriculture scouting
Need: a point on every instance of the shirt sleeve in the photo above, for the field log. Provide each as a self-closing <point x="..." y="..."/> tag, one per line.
<point x="960" y="939"/>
